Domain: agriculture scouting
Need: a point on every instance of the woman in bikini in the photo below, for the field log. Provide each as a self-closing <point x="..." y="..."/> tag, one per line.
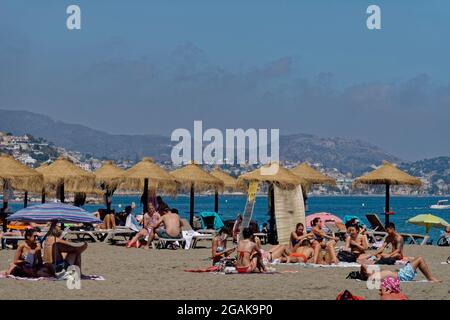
<point x="60" y="254"/>
<point x="298" y="235"/>
<point x="249" y="258"/>
<point x="149" y="219"/>
<point x="28" y="258"/>
<point x="356" y="243"/>
<point x="219" y="246"/>
<point x="323" y="241"/>
<point x="302" y="252"/>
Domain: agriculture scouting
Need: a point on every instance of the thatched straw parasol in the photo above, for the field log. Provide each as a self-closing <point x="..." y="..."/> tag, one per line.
<point x="109" y="177"/>
<point x="388" y="175"/>
<point x="62" y="175"/>
<point x="147" y="174"/>
<point x="311" y="176"/>
<point x="17" y="176"/>
<point x="273" y="173"/>
<point x="192" y="177"/>
<point x="229" y="183"/>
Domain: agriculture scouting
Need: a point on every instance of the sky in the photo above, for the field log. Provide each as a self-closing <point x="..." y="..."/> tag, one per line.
<point x="150" y="67"/>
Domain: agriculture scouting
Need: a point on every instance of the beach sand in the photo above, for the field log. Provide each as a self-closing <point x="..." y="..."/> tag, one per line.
<point x="158" y="274"/>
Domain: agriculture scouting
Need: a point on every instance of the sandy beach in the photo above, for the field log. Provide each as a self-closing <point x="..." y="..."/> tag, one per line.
<point x="158" y="274"/>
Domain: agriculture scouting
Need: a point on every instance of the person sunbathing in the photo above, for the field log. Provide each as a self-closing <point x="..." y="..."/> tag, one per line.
<point x="219" y="246"/>
<point x="301" y="253"/>
<point x="396" y="240"/>
<point x="59" y="254"/>
<point x="249" y="257"/>
<point x="406" y="273"/>
<point x="323" y="241"/>
<point x="356" y="243"/>
<point x="298" y="235"/>
<point x="28" y="258"/>
<point x="149" y="219"/>
<point x="172" y="227"/>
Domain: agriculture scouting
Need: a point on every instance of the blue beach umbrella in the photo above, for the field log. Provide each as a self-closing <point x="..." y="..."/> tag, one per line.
<point x="56" y="212"/>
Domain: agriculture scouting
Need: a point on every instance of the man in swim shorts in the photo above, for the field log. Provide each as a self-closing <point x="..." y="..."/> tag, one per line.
<point x="172" y="226"/>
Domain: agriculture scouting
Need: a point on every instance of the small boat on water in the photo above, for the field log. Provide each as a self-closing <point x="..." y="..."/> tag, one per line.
<point x="441" y="204"/>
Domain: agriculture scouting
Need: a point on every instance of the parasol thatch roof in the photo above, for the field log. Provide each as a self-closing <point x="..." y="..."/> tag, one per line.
<point x="109" y="175"/>
<point x="18" y="176"/>
<point x="64" y="171"/>
<point x="158" y="178"/>
<point x="311" y="175"/>
<point x="271" y="174"/>
<point x="387" y="174"/>
<point x="229" y="183"/>
<point x="193" y="174"/>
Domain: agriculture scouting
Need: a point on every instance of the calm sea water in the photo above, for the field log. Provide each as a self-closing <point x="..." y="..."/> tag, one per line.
<point x="231" y="205"/>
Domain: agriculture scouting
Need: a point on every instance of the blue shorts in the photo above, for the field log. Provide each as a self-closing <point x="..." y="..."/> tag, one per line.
<point x="406" y="273"/>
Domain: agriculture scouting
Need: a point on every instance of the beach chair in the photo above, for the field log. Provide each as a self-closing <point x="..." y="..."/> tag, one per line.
<point x="10" y="238"/>
<point x="336" y="230"/>
<point x="206" y="235"/>
<point x="410" y="238"/>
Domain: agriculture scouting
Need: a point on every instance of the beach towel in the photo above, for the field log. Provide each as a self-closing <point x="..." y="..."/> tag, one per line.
<point x="200" y="270"/>
<point x="188" y="235"/>
<point x="83" y="277"/>
<point x="132" y="223"/>
<point x="312" y="265"/>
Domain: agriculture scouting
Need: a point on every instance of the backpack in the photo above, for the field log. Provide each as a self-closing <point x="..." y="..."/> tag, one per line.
<point x="347" y="295"/>
<point x="346" y="256"/>
<point x="386" y="261"/>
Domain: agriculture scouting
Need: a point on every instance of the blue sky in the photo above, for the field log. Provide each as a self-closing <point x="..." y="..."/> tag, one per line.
<point x="301" y="66"/>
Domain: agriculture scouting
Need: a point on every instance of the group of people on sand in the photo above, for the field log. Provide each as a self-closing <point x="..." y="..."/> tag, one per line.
<point x="32" y="259"/>
<point x="162" y="222"/>
<point x="318" y="247"/>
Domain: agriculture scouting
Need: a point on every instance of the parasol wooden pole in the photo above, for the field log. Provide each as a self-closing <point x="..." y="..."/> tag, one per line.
<point x="61" y="193"/>
<point x="387" y="205"/>
<point x="191" y="206"/>
<point x="5" y="205"/>
<point x="43" y="196"/>
<point x="216" y="200"/>
<point x="271" y="204"/>
<point x="25" y="200"/>
<point x="145" y="196"/>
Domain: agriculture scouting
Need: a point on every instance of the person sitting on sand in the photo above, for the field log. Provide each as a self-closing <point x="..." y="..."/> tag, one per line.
<point x="406" y="273"/>
<point x="59" y="254"/>
<point x="172" y="227"/>
<point x="249" y="257"/>
<point x="219" y="246"/>
<point x="237" y="228"/>
<point x="28" y="258"/>
<point x="396" y="240"/>
<point x="298" y="235"/>
<point x="323" y="241"/>
<point x="390" y="289"/>
<point x="355" y="242"/>
<point x="149" y="219"/>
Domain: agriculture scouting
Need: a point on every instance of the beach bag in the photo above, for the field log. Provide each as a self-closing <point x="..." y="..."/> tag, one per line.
<point x="346" y="256"/>
<point x="347" y="295"/>
<point x="386" y="261"/>
<point x="354" y="275"/>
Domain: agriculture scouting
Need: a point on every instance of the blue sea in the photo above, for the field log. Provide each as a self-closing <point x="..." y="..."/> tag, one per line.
<point x="230" y="205"/>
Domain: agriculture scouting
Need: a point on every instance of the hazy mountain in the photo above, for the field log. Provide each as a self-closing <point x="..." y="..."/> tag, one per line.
<point x="347" y="155"/>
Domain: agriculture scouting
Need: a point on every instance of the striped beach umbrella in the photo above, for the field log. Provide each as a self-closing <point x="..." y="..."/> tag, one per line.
<point x="56" y="212"/>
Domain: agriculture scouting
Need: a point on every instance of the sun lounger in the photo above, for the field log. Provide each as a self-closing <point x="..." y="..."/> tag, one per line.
<point x="336" y="231"/>
<point x="162" y="243"/>
<point x="413" y="238"/>
<point x="263" y="236"/>
<point x="205" y="234"/>
<point x="14" y="238"/>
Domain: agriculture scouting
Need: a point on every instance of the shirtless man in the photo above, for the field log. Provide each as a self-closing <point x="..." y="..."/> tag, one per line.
<point x="396" y="240"/>
<point x="406" y="273"/>
<point x="249" y="257"/>
<point x="323" y="241"/>
<point x="149" y="218"/>
<point x="172" y="226"/>
<point x="356" y="243"/>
